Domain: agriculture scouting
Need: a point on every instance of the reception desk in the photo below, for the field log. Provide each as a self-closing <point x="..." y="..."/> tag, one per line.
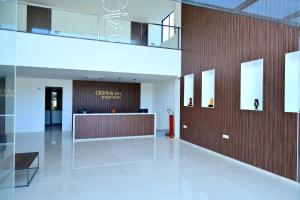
<point x="108" y="125"/>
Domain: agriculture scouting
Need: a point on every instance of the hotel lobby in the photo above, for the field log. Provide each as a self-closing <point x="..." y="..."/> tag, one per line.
<point x="160" y="99"/>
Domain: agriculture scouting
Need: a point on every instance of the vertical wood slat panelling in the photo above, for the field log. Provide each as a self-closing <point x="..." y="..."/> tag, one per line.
<point x="104" y="126"/>
<point x="84" y="97"/>
<point x="215" y="39"/>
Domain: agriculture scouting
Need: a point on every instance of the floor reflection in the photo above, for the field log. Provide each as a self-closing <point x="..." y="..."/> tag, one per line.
<point x="53" y="150"/>
<point x="112" y="152"/>
<point x="138" y="169"/>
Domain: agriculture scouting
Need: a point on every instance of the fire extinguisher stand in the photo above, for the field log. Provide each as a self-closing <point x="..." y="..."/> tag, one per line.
<point x="171" y="133"/>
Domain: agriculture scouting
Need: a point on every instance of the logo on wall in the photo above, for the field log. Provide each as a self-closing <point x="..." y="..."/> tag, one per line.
<point x="109" y="95"/>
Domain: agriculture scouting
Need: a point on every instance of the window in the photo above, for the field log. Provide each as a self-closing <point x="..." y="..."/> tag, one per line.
<point x="168" y="30"/>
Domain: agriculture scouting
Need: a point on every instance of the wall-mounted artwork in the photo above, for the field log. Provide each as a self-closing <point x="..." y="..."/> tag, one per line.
<point x="252" y="74"/>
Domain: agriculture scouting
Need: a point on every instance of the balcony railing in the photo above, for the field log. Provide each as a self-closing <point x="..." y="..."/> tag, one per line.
<point x="92" y="27"/>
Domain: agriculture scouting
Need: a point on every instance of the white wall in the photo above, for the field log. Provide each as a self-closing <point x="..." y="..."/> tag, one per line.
<point x="7" y="48"/>
<point x="80" y="54"/>
<point x="158" y="97"/>
<point x="30" y="103"/>
<point x="163" y="99"/>
<point x="147" y="96"/>
<point x="166" y="95"/>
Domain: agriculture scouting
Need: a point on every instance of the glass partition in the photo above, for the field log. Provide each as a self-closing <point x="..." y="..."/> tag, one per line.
<point x="111" y="29"/>
<point x="7" y="100"/>
<point x="8" y="14"/>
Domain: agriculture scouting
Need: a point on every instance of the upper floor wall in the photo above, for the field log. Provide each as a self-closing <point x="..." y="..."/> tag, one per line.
<point x="36" y="50"/>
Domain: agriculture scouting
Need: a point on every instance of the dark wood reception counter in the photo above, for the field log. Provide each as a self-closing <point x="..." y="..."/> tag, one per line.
<point x="108" y="125"/>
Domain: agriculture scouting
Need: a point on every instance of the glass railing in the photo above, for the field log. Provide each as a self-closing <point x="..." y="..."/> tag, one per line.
<point x="87" y="26"/>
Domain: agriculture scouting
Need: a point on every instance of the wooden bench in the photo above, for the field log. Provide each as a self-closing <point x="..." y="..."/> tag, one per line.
<point x="23" y="162"/>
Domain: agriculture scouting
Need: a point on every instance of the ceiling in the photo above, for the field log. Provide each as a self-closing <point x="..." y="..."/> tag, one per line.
<point x="152" y="11"/>
<point x="283" y="11"/>
<point x="67" y="74"/>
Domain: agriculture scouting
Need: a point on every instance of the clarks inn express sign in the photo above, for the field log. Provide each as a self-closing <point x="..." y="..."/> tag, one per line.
<point x="109" y="94"/>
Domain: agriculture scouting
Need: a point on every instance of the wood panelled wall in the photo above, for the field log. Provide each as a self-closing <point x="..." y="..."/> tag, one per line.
<point x="84" y="97"/>
<point x="220" y="40"/>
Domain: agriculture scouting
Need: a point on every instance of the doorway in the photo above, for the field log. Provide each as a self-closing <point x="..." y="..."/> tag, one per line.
<point x="53" y="108"/>
<point x="38" y="20"/>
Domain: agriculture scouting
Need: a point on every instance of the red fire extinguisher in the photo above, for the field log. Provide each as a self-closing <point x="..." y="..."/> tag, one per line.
<point x="171" y="123"/>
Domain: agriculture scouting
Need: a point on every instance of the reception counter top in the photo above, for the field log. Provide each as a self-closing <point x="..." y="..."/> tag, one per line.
<point x="94" y="126"/>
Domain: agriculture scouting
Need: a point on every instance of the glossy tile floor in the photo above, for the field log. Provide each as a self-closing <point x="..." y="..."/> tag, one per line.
<point x="141" y="169"/>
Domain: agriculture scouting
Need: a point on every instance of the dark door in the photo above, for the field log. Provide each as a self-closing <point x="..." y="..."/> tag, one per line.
<point x="139" y="33"/>
<point x="38" y="20"/>
<point x="144" y="39"/>
<point x="135" y="33"/>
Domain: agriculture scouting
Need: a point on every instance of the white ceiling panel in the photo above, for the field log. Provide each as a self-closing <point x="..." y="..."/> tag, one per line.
<point x="274" y="8"/>
<point x="50" y="73"/>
